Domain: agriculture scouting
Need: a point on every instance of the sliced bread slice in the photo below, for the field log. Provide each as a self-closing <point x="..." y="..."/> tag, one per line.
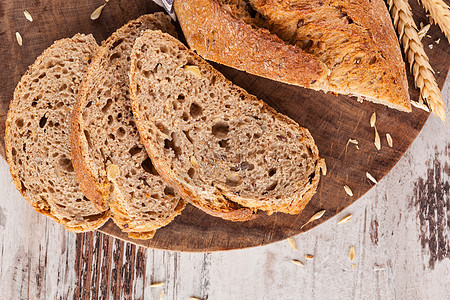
<point x="224" y="150"/>
<point x="352" y="43"/>
<point x="37" y="135"/>
<point x="110" y="162"/>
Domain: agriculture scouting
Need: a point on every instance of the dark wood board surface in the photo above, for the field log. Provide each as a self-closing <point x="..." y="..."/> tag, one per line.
<point x="331" y="120"/>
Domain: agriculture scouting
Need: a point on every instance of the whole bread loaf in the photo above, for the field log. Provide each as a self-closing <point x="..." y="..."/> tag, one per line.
<point x="110" y="162"/>
<point x="339" y="46"/>
<point x="224" y="150"/>
<point x="37" y="134"/>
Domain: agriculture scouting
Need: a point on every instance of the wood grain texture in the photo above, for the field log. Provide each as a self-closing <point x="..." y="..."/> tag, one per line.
<point x="332" y="121"/>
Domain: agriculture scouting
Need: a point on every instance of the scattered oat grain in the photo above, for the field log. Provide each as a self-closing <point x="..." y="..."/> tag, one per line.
<point x="348" y="190"/>
<point x="371" y="178"/>
<point x="353" y="266"/>
<point x="352" y="253"/>
<point x="377" y="139"/>
<point x="194" y="298"/>
<point x="28" y="15"/>
<point x="324" y="167"/>
<point x="161" y="295"/>
<point x="373" y="119"/>
<point x="345" y="219"/>
<point x="19" y="38"/>
<point x="157" y="284"/>
<point x="297" y="262"/>
<point x="309" y="256"/>
<point x="97" y="12"/>
<point x="292" y="244"/>
<point x="316" y="216"/>
<point x="389" y="139"/>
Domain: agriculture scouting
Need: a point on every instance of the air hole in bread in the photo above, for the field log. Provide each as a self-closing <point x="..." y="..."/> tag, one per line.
<point x="148" y="166"/>
<point x="162" y="128"/>
<point x="42" y="75"/>
<point x="223" y="143"/>
<point x="106" y="107"/>
<point x="139" y="65"/>
<point x="146" y="73"/>
<point x="59" y="104"/>
<point x="63" y="87"/>
<point x="66" y="164"/>
<point x="43" y="121"/>
<point x="155" y="69"/>
<point x="22" y="187"/>
<point x="135" y="150"/>
<point x="188" y="136"/>
<point x="13" y="152"/>
<point x="111" y="136"/>
<point x="19" y="123"/>
<point x="246" y="166"/>
<point x="88" y="137"/>
<point x="191" y="173"/>
<point x="272" y="172"/>
<point x="121" y="132"/>
<point x="169" y="191"/>
<point x="373" y="60"/>
<point x="220" y="129"/>
<point x="116" y="43"/>
<point x="119" y="117"/>
<point x="181" y="98"/>
<point x="114" y="56"/>
<point x="89" y="104"/>
<point x="185" y="117"/>
<point x="163" y="48"/>
<point x="172" y="144"/>
<point x="233" y="181"/>
<point x="272" y="186"/>
<point x="110" y="119"/>
<point x="195" y="110"/>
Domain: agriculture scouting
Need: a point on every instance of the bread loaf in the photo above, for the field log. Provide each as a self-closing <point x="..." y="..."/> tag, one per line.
<point x="37" y="134"/>
<point x="223" y="150"/>
<point x="111" y="164"/>
<point x="345" y="47"/>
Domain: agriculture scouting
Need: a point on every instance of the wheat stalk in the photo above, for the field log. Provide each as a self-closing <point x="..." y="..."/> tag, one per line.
<point x="417" y="58"/>
<point x="440" y="12"/>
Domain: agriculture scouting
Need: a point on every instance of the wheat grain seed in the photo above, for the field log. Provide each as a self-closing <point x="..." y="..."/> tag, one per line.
<point x="353" y="266"/>
<point x="157" y="284"/>
<point x="28" y="15"/>
<point x="194" y="298"/>
<point x="316" y="216"/>
<point x="19" y="38"/>
<point x="348" y="190"/>
<point x="324" y="168"/>
<point x="97" y="12"/>
<point x="292" y="244"/>
<point x="377" y="139"/>
<point x="371" y="178"/>
<point x="297" y="262"/>
<point x="423" y="31"/>
<point x="345" y="219"/>
<point x="373" y="119"/>
<point x="352" y="253"/>
<point x="309" y="256"/>
<point x="161" y="295"/>
<point x="389" y="139"/>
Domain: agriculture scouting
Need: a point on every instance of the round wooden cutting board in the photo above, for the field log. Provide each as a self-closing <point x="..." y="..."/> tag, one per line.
<point x="332" y="120"/>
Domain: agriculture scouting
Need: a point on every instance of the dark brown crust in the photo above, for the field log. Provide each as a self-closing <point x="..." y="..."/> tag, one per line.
<point x="217" y="35"/>
<point x="99" y="192"/>
<point x="220" y="37"/>
<point x="82" y="228"/>
<point x="236" y="211"/>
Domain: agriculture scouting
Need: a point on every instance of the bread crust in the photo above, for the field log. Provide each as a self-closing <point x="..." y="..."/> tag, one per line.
<point x="234" y="208"/>
<point x="89" y="225"/>
<point x="219" y="36"/>
<point x="103" y="192"/>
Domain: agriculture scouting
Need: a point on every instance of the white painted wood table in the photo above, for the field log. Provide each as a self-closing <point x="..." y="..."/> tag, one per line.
<point x="400" y="230"/>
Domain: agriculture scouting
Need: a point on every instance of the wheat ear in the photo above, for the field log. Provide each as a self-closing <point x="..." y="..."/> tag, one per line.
<point x="417" y="58"/>
<point x="440" y="12"/>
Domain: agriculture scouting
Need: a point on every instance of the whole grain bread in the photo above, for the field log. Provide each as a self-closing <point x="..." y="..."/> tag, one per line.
<point x="345" y="47"/>
<point x="111" y="164"/>
<point x="37" y="134"/>
<point x="223" y="150"/>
